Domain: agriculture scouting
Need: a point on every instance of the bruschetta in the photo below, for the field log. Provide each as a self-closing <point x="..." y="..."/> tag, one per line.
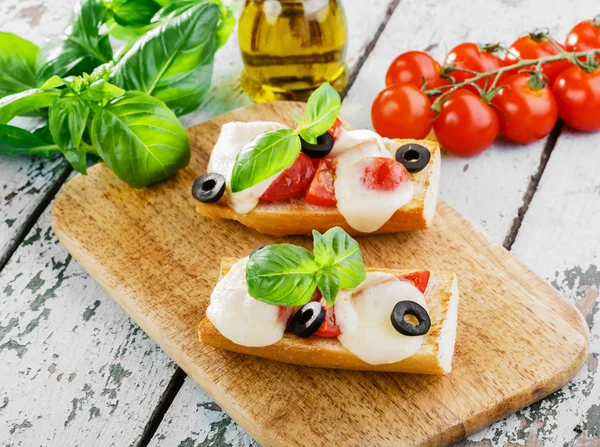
<point x="354" y="179"/>
<point x="358" y="331"/>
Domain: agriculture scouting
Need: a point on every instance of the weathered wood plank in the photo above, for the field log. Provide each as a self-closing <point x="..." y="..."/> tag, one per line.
<point x="26" y="182"/>
<point x="194" y="420"/>
<point x="488" y="189"/>
<point x="75" y="368"/>
<point x="559" y="240"/>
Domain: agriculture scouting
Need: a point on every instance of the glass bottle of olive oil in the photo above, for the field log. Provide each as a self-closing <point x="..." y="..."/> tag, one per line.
<point x="291" y="47"/>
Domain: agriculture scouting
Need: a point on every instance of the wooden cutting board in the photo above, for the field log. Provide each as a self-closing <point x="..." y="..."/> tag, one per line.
<point x="518" y="340"/>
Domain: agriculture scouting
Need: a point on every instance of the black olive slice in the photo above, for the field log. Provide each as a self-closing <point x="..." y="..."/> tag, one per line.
<point x="260" y="247"/>
<point x="404" y="308"/>
<point x="209" y="188"/>
<point x="413" y="156"/>
<point x="307" y="320"/>
<point x="319" y="150"/>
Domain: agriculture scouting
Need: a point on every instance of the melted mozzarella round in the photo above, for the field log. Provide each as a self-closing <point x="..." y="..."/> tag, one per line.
<point x="234" y="136"/>
<point x="364" y="317"/>
<point x="241" y="318"/>
<point x="363" y="208"/>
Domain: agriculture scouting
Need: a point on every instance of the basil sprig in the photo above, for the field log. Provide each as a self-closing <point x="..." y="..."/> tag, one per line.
<point x="322" y="109"/>
<point x="274" y="151"/>
<point x="287" y="275"/>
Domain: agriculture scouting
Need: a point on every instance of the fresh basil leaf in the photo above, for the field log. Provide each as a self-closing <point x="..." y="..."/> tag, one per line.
<point x="328" y="282"/>
<point x="81" y="49"/>
<point x="323" y="249"/>
<point x="282" y="274"/>
<point x="25" y="102"/>
<point x="140" y="139"/>
<point x="17" y="141"/>
<point x="44" y="133"/>
<point x="322" y="109"/>
<point x="226" y="20"/>
<point x="67" y="118"/>
<point x="100" y="90"/>
<point x="17" y="64"/>
<point x="173" y="62"/>
<point x="264" y="156"/>
<point x="348" y="261"/>
<point x="129" y="34"/>
<point x="133" y="13"/>
<point x="77" y="158"/>
<point x="53" y="82"/>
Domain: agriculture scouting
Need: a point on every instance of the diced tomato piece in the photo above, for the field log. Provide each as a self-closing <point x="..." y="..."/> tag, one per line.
<point x="336" y="129"/>
<point x="292" y="181"/>
<point x="321" y="191"/>
<point x="285" y="312"/>
<point x="328" y="328"/>
<point x="419" y="279"/>
<point x="382" y="174"/>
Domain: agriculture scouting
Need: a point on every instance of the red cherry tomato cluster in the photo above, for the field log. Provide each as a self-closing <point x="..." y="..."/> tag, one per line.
<point x="521" y="103"/>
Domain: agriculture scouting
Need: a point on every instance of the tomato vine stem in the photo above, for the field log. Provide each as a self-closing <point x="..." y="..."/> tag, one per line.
<point x="444" y="90"/>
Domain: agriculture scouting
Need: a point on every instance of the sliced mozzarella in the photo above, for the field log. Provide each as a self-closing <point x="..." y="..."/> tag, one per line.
<point x="241" y="318"/>
<point x="234" y="136"/>
<point x="363" y="208"/>
<point x="364" y="317"/>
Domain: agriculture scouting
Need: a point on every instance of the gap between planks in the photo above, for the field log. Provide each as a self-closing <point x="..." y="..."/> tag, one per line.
<point x="533" y="185"/>
<point x="33" y="218"/>
<point x="164" y="403"/>
<point x="369" y="47"/>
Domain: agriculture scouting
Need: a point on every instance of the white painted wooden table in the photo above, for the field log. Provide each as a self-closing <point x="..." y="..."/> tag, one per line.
<point x="75" y="370"/>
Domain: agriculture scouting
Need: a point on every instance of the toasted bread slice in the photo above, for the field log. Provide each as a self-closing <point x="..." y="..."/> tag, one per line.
<point x="434" y="356"/>
<point x="295" y="216"/>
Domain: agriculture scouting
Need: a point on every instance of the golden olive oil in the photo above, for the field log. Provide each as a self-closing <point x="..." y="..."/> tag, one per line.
<point x="290" y="47"/>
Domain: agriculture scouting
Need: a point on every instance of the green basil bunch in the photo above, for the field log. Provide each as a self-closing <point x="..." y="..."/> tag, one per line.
<point x="138" y="136"/>
<point x="276" y="150"/>
<point x="287" y="275"/>
<point x="120" y="108"/>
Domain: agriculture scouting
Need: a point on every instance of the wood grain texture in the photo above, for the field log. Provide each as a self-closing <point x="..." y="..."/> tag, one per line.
<point x="518" y="339"/>
<point x="559" y="240"/>
<point x="74" y="369"/>
<point x="500" y="175"/>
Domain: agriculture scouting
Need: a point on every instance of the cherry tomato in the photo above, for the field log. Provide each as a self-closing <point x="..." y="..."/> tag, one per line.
<point x="336" y="129"/>
<point x="584" y="36"/>
<point x="382" y="174"/>
<point x="402" y="111"/>
<point x="533" y="47"/>
<point x="419" y="279"/>
<point x="412" y="67"/>
<point x="469" y="56"/>
<point x="526" y="114"/>
<point x="466" y="125"/>
<point x="291" y="182"/>
<point x="577" y="94"/>
<point x="321" y="190"/>
<point x="328" y="328"/>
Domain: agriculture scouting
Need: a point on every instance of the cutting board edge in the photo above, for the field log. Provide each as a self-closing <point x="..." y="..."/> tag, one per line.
<point x="269" y="436"/>
<point x="470" y="425"/>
